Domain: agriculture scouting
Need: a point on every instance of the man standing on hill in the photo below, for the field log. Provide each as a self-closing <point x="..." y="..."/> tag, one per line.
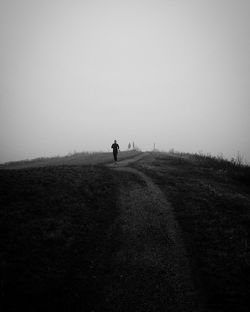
<point x="115" y="147"/>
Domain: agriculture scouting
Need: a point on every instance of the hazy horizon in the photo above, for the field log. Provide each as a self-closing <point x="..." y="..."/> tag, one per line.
<point x="75" y="75"/>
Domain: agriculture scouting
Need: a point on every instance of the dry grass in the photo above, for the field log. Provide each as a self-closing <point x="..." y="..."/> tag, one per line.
<point x="61" y="227"/>
<point x="211" y="198"/>
<point x="76" y="159"/>
<point x="55" y="241"/>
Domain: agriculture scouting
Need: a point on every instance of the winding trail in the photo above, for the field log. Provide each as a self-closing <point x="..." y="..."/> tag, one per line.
<point x="152" y="245"/>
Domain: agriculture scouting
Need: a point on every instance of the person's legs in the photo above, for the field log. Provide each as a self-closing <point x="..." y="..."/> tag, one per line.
<point x="115" y="156"/>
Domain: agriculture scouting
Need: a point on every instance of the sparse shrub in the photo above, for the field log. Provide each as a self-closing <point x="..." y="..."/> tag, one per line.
<point x="238" y="160"/>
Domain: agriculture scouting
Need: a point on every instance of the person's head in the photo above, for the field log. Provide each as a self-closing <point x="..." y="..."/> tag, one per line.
<point x="114" y="141"/>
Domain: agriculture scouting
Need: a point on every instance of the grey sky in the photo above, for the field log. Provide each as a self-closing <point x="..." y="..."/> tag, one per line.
<point x="75" y="75"/>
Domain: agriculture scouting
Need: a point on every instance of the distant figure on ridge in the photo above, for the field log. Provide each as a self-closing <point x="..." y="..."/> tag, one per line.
<point x="115" y="147"/>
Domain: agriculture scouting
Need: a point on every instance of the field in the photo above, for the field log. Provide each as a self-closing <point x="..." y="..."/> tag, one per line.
<point x="83" y="158"/>
<point x="54" y="244"/>
<point x="80" y="236"/>
<point x="211" y="199"/>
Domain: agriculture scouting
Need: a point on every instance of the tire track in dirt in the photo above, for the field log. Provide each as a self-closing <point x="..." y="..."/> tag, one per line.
<point x="152" y="244"/>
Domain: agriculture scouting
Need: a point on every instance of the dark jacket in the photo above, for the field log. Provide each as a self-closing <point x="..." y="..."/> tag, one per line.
<point x="115" y="147"/>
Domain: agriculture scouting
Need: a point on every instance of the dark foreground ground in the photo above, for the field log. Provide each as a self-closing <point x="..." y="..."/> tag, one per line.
<point x="54" y="247"/>
<point x="211" y="200"/>
<point x="60" y="228"/>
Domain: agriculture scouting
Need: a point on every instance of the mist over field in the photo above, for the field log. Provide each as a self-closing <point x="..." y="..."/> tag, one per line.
<point x="75" y="75"/>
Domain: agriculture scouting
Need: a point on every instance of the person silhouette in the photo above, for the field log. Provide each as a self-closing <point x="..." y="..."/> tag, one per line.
<point x="115" y="147"/>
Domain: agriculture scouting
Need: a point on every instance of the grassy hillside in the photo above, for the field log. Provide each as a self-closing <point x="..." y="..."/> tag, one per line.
<point x="60" y="228"/>
<point x="55" y="243"/>
<point x="211" y="199"/>
<point x="84" y="158"/>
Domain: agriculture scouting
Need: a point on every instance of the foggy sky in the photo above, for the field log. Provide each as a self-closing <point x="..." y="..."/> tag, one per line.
<point x="77" y="74"/>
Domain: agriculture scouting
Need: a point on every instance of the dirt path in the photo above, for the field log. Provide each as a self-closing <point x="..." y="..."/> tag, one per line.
<point x="152" y="258"/>
<point x="128" y="161"/>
